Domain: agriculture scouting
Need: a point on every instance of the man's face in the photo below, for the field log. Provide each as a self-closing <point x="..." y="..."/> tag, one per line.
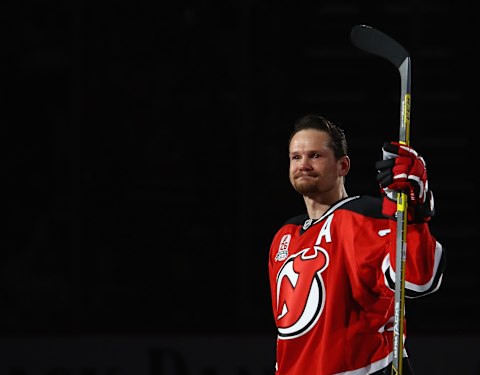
<point x="313" y="167"/>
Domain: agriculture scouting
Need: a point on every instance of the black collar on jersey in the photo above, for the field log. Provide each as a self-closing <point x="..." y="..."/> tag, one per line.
<point x="308" y="223"/>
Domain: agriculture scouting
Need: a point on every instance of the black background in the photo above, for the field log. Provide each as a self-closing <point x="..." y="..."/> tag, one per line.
<point x="146" y="163"/>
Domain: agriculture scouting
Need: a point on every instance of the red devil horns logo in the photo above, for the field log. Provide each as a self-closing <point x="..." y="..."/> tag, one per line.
<point x="300" y="292"/>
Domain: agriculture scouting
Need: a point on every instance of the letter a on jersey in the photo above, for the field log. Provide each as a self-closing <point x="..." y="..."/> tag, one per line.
<point x="300" y="292"/>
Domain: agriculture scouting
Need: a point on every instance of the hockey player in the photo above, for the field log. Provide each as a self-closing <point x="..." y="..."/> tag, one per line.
<point x="332" y="270"/>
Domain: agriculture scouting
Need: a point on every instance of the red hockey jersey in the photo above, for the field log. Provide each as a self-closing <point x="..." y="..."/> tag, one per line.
<point x="332" y="287"/>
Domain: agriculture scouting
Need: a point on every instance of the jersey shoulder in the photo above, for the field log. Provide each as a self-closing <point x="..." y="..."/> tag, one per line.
<point x="296" y="220"/>
<point x="365" y="205"/>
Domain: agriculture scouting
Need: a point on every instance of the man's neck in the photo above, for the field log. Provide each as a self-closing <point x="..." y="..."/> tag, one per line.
<point x="317" y="206"/>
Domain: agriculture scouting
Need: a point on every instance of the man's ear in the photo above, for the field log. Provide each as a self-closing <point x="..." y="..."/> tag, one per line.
<point x="344" y="165"/>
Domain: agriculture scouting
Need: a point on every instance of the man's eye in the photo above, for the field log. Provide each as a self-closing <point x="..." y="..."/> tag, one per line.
<point x="316" y="156"/>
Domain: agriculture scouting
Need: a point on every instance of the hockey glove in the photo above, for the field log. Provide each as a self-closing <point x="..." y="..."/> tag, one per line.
<point x="402" y="169"/>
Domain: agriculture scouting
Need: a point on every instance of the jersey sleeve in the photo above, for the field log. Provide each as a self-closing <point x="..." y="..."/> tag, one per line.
<point x="271" y="259"/>
<point x="424" y="264"/>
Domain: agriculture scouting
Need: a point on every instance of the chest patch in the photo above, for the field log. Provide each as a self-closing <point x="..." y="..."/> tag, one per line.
<point x="300" y="292"/>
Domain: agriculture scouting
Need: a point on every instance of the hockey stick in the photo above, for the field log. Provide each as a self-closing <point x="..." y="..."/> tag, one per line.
<point x="376" y="42"/>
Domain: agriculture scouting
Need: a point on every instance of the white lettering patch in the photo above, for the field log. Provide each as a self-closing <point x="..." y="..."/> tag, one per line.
<point x="282" y="253"/>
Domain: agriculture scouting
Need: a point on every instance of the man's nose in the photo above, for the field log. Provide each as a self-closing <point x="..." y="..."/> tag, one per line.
<point x="305" y="165"/>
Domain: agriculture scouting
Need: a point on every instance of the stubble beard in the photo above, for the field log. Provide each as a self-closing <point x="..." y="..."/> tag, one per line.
<point x="306" y="188"/>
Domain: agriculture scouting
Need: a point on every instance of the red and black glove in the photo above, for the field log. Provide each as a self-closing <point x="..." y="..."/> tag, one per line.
<point x="403" y="170"/>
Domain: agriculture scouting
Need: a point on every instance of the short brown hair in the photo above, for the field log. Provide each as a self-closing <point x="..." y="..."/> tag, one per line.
<point x="312" y="121"/>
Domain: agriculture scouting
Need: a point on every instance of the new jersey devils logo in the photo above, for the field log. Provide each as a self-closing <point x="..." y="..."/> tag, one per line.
<point x="300" y="292"/>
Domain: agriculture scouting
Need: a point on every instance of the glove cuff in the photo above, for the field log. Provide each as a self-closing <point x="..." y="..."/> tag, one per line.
<point x="389" y="208"/>
<point x="422" y="213"/>
<point x="416" y="214"/>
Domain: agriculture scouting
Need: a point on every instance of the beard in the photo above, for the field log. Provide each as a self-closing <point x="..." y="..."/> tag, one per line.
<point x="306" y="187"/>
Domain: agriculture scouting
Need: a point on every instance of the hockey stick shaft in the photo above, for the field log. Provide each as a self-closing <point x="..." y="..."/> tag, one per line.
<point x="378" y="43"/>
<point x="401" y="243"/>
